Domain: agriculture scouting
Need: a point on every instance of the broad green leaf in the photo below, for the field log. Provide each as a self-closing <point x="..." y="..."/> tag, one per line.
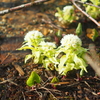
<point x="80" y="63"/>
<point x="33" y="79"/>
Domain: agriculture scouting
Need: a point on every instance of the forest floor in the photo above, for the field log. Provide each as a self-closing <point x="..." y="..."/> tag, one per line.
<point x="13" y="27"/>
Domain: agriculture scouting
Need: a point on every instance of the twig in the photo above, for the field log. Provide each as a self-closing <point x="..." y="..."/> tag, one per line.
<point x="90" y="91"/>
<point x="87" y="84"/>
<point x="18" y="68"/>
<point x="5" y="81"/>
<point x="50" y="22"/>
<point x="49" y="92"/>
<point x="39" y="94"/>
<point x="23" y="95"/>
<point x="20" y="7"/>
<point x="5" y="58"/>
<point x="92" y="19"/>
<point x="10" y="81"/>
<point x="88" y="4"/>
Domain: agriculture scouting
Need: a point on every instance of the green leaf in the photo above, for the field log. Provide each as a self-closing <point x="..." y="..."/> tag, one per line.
<point x="80" y="63"/>
<point x="25" y="48"/>
<point x="54" y="80"/>
<point x="36" y="56"/>
<point x="81" y="72"/>
<point x="61" y="64"/>
<point x="60" y="11"/>
<point x="79" y="29"/>
<point x="33" y="79"/>
<point x="53" y="60"/>
<point x="58" y="34"/>
<point x="28" y="57"/>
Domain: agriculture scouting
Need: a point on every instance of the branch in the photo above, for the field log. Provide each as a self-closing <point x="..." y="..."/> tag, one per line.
<point x="20" y="7"/>
<point x="93" y="59"/>
<point x="92" y="19"/>
<point x="10" y="81"/>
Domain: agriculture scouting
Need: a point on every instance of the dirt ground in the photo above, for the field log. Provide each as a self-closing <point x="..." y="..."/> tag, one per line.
<point x="14" y="72"/>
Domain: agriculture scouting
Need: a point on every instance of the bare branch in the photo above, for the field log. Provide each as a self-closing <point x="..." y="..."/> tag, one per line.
<point x="92" y="19"/>
<point x="20" y="7"/>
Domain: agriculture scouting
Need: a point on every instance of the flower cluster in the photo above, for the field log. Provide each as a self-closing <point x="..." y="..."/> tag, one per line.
<point x="47" y="45"/>
<point x="41" y="51"/>
<point x="66" y="57"/>
<point x="32" y="36"/>
<point x="71" y="40"/>
<point x="67" y="15"/>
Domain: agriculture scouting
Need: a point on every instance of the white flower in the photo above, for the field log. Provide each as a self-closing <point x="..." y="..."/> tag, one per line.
<point x="71" y="40"/>
<point x="67" y="9"/>
<point x="47" y="45"/>
<point x="33" y="35"/>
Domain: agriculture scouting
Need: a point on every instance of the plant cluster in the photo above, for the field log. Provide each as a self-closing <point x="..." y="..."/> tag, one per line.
<point x="66" y="57"/>
<point x="92" y="10"/>
<point x="67" y="15"/>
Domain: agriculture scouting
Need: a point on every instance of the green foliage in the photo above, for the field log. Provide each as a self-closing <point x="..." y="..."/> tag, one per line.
<point x="67" y="15"/>
<point x="91" y="10"/>
<point x="33" y="79"/>
<point x="47" y="53"/>
<point x="72" y="59"/>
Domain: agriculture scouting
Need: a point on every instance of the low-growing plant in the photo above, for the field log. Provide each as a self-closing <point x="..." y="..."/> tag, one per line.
<point x="67" y="15"/>
<point x="33" y="79"/>
<point x="47" y="53"/>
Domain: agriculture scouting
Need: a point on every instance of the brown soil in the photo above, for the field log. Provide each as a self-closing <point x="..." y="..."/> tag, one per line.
<point x="14" y="72"/>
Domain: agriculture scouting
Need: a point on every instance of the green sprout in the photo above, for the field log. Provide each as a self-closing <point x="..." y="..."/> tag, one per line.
<point x="54" y="80"/>
<point x="79" y="29"/>
<point x="33" y="79"/>
<point x="67" y="15"/>
<point x="47" y="53"/>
